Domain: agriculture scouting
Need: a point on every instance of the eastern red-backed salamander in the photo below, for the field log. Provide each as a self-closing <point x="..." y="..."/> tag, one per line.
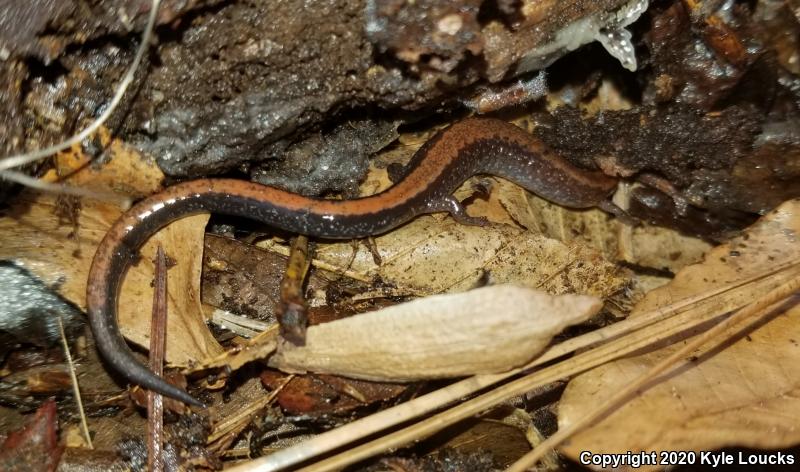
<point x="473" y="146"/>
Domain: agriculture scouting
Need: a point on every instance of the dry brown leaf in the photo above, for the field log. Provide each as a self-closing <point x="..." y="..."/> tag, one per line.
<point x="259" y="347"/>
<point x="57" y="241"/>
<point x="645" y="245"/>
<point x="502" y="431"/>
<point x="125" y="172"/>
<point x="434" y="254"/>
<point x="317" y="395"/>
<point x="188" y="337"/>
<point x="243" y="278"/>
<point x="35" y="447"/>
<point x="487" y="330"/>
<point x="744" y="393"/>
<point x="660" y="248"/>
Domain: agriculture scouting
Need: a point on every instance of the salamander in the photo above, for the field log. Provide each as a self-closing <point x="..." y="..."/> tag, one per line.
<point x="440" y="166"/>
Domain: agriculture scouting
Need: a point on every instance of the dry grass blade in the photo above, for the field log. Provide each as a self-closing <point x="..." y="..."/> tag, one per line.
<point x="742" y="392"/>
<point x="63" y="189"/>
<point x="759" y="307"/>
<point x="75" y="387"/>
<point x="234" y="424"/>
<point x="652" y="328"/>
<point x="583" y="362"/>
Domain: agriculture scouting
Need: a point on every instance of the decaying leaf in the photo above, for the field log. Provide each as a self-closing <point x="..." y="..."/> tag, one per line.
<point x="246" y="279"/>
<point x="36" y="446"/>
<point x="56" y="241"/>
<point x="646" y="245"/>
<point x="503" y="430"/>
<point x="742" y="393"/>
<point x="327" y="394"/>
<point x="487" y="330"/>
<point x="417" y="259"/>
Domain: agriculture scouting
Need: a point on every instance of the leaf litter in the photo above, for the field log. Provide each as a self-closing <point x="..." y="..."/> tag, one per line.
<point x="740" y="391"/>
<point x="58" y="247"/>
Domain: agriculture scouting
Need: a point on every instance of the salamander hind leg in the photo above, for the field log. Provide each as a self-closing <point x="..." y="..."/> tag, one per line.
<point x="457" y="211"/>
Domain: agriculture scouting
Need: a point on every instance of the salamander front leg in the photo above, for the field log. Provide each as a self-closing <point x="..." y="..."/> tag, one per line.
<point x="622" y="215"/>
<point x="457" y="211"/>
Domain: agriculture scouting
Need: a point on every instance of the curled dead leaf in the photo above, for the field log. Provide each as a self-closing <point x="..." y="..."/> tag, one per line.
<point x="56" y="241"/>
<point x="487" y="330"/>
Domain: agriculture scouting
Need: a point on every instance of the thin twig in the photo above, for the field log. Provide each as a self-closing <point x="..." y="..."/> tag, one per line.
<point x="63" y="189"/>
<point x="75" y="388"/>
<point x="158" y="338"/>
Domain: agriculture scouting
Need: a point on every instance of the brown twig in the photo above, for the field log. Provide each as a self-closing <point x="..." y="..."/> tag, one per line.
<point x="292" y="312"/>
<point x="158" y="329"/>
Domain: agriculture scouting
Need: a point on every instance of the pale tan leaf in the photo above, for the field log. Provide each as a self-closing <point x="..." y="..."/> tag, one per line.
<point x="125" y="172"/>
<point x="487" y="330"/>
<point x="188" y="337"/>
<point x="744" y="393"/>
